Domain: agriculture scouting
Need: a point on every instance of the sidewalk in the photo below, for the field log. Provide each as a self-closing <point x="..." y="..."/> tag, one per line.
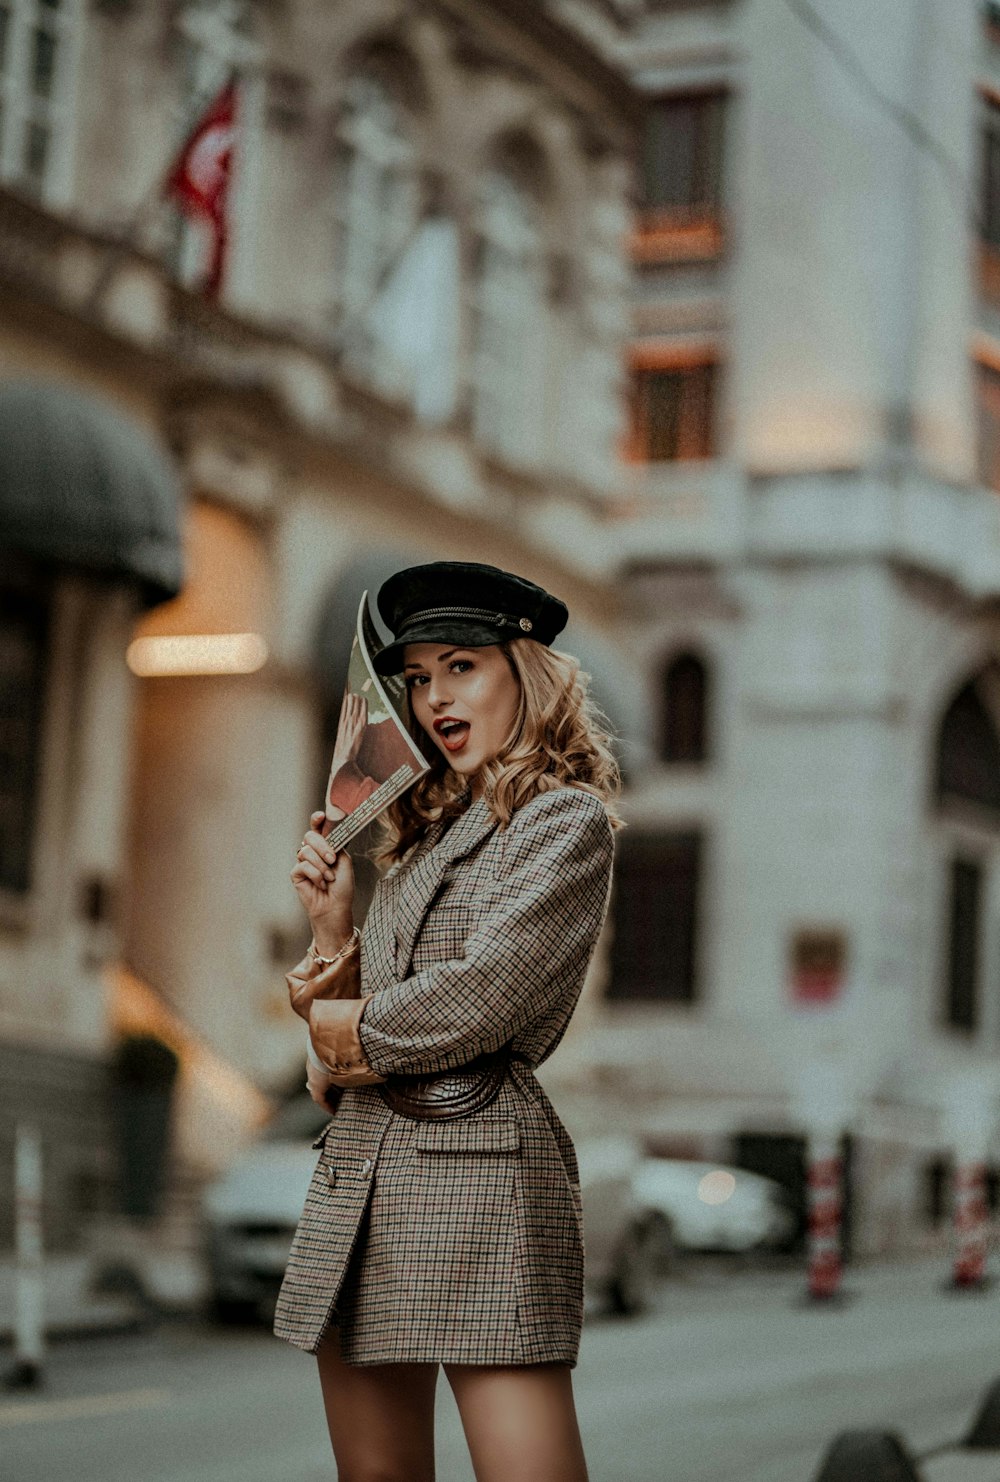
<point x="882" y="1280"/>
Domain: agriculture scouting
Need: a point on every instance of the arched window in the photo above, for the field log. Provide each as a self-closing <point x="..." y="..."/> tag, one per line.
<point x="967" y="779"/>
<point x="968" y="750"/>
<point x="509" y="319"/>
<point x="684" y="710"/>
<point x="376" y="199"/>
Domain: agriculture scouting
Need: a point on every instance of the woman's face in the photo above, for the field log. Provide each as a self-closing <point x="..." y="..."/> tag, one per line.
<point x="466" y="699"/>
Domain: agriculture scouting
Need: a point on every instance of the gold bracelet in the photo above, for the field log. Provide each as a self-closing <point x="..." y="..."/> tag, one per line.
<point x="351" y="945"/>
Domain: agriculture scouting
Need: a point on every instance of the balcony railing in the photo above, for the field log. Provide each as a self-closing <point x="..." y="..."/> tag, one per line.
<point x="689" y="511"/>
<point x="31" y="243"/>
<point x="663" y="238"/>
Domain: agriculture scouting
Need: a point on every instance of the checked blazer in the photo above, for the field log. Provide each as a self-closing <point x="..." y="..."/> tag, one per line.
<point x="460" y="1241"/>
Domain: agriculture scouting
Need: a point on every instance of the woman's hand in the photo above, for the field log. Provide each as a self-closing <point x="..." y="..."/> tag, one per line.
<point x="322" y="1089"/>
<point x="324" y="883"/>
<point x="308" y="981"/>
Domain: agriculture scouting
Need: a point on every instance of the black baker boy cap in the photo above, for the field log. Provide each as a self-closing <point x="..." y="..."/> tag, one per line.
<point x="465" y="603"/>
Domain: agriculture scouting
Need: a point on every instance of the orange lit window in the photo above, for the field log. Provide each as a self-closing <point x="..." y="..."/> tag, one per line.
<point x="988" y="425"/>
<point x="673" y="412"/>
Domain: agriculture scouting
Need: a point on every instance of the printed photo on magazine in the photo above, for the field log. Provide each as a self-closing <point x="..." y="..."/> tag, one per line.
<point x="375" y="758"/>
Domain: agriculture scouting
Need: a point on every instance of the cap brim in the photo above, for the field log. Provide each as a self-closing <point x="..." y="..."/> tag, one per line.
<point x="390" y="660"/>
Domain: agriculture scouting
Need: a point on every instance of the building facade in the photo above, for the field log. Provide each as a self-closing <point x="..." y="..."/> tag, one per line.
<point x="415" y="355"/>
<point x="807" y="923"/>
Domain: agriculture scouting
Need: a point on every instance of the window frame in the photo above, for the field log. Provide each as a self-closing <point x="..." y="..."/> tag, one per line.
<point x="987" y="428"/>
<point x="989" y="194"/>
<point x="697" y="433"/>
<point x="692" y="229"/>
<point x="642" y="969"/>
<point x="39" y="594"/>
<point x="370" y="157"/>
<point x="23" y="106"/>
<point x="506" y="386"/>
<point x="963" y="957"/>
<point x="701" y="754"/>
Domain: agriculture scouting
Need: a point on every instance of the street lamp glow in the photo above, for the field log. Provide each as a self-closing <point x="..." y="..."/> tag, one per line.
<point x="197" y="653"/>
<point x="716" y="1187"/>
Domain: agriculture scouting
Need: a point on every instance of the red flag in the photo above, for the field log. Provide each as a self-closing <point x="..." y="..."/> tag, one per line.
<point x="199" y="180"/>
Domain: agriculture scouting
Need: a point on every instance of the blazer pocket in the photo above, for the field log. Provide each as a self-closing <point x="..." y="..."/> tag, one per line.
<point x="496" y="1135"/>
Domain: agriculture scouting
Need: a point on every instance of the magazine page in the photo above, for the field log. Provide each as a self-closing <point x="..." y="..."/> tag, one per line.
<point x="375" y="758"/>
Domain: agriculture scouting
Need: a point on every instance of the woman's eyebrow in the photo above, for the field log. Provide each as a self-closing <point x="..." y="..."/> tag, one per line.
<point x="440" y="658"/>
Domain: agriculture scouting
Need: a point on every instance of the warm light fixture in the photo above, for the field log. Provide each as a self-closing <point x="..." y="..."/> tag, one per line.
<point x="197" y="653"/>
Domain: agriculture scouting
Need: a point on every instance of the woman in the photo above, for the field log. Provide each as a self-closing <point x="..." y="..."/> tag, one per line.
<point x="443" y="1223"/>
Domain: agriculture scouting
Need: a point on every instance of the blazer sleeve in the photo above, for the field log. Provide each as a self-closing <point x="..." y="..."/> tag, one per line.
<point x="548" y="905"/>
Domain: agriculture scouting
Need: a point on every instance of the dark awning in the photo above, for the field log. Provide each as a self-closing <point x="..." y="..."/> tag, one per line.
<point x="83" y="486"/>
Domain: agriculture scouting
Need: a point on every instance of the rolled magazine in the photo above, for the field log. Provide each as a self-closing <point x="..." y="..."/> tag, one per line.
<point x="375" y="759"/>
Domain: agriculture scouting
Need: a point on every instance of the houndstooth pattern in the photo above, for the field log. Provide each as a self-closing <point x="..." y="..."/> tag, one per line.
<point x="460" y="1241"/>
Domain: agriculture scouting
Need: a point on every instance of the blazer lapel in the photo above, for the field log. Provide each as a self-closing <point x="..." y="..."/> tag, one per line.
<point x="424" y="879"/>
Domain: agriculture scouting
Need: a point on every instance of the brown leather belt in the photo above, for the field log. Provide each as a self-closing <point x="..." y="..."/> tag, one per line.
<point x="441" y="1094"/>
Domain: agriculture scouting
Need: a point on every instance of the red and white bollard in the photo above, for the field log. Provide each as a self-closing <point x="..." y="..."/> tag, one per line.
<point x="969" y="1105"/>
<point x="970" y="1225"/>
<point x="825" y="1218"/>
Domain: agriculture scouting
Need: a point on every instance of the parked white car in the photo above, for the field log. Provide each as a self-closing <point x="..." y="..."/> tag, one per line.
<point x="251" y="1211"/>
<point x="708" y="1206"/>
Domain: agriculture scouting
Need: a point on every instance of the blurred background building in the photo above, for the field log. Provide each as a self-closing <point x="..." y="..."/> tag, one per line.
<point x="415" y="354"/>
<point x="806" y="921"/>
<point x="688" y="311"/>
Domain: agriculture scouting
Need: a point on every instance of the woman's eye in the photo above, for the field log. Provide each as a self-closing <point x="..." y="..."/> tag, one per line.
<point x="412" y="679"/>
<point x="463" y="663"/>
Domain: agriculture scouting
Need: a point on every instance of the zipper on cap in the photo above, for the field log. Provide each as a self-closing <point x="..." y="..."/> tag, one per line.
<point x="488" y="614"/>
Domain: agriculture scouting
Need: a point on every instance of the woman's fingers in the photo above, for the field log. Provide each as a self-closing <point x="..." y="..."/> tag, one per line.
<point x="315" y="840"/>
<point x="315" y="859"/>
<point x="311" y="857"/>
<point x="306" y="870"/>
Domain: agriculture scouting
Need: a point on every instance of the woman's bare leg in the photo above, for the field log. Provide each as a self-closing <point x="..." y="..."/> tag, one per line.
<point x="520" y="1423"/>
<point x="380" y="1417"/>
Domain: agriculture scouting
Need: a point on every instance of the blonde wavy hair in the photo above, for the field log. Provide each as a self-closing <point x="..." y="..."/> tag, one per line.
<point x="559" y="738"/>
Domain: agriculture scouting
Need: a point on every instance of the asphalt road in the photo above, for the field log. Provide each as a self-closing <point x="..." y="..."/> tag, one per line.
<point x="732" y="1379"/>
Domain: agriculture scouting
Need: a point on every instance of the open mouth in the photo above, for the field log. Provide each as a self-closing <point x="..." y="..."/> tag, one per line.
<point x="453" y="733"/>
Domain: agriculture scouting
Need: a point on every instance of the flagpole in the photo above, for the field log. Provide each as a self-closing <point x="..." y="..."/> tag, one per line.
<point x="116" y="252"/>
